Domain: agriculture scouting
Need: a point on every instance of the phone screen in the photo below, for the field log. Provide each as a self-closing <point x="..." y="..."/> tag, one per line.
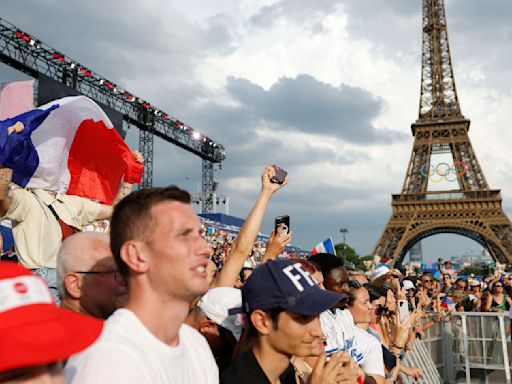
<point x="282" y="220"/>
<point x="403" y="310"/>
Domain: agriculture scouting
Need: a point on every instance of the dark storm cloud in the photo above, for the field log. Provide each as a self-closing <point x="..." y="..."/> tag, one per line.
<point x="307" y="105"/>
<point x="130" y="44"/>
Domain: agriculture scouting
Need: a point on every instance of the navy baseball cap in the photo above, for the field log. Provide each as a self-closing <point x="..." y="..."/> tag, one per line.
<point x="285" y="284"/>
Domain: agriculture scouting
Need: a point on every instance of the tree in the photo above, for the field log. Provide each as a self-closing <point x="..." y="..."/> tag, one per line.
<point x="350" y="256"/>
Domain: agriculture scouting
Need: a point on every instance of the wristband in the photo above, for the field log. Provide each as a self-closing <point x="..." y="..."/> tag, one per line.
<point x="397" y="346"/>
<point x="395" y="350"/>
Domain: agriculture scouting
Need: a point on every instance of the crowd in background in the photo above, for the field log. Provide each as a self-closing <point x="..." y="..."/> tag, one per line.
<point x="165" y="298"/>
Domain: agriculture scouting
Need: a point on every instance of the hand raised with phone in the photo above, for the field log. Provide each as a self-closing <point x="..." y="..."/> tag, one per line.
<point x="268" y="179"/>
<point x="277" y="243"/>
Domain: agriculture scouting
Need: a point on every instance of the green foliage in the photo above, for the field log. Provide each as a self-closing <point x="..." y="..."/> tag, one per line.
<point x="350" y="256"/>
<point x="477" y="270"/>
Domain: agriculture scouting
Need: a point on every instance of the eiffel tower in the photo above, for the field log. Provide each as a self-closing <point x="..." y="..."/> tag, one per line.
<point x="472" y="209"/>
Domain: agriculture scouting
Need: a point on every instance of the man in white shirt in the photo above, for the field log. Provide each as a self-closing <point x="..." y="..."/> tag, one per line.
<point x="157" y="244"/>
<point x="337" y="323"/>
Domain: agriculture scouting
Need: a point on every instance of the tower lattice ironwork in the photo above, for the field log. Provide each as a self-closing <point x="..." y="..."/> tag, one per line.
<point x="473" y="209"/>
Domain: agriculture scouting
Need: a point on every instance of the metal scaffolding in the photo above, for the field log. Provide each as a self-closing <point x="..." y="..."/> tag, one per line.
<point x="33" y="57"/>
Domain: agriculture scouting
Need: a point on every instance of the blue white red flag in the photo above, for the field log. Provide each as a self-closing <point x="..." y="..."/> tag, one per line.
<point x="68" y="146"/>
<point x="326" y="246"/>
<point x="448" y="303"/>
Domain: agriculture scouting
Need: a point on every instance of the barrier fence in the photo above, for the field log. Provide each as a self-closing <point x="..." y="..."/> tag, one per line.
<point x="472" y="347"/>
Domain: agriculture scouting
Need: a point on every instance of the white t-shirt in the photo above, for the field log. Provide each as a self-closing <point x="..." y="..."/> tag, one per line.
<point x="372" y="362"/>
<point x="127" y="352"/>
<point x="338" y="328"/>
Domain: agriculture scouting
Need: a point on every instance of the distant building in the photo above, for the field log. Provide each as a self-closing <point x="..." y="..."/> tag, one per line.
<point x="476" y="259"/>
<point x="415" y="253"/>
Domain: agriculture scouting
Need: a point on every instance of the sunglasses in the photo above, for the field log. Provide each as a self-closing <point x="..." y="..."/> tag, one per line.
<point x="498" y="285"/>
<point x="354" y="284"/>
<point x="427" y="281"/>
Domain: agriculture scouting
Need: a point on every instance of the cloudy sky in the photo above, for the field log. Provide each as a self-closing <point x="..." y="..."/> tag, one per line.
<point x="327" y="89"/>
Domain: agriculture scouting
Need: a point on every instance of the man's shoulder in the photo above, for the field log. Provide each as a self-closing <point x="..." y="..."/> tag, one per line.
<point x="244" y="369"/>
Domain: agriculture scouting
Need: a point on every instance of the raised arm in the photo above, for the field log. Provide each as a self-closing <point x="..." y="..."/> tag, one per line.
<point x="245" y="239"/>
<point x="126" y="188"/>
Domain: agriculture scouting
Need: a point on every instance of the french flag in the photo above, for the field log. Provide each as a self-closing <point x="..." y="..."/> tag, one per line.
<point x="69" y="146"/>
<point x="326" y="246"/>
<point x="448" y="303"/>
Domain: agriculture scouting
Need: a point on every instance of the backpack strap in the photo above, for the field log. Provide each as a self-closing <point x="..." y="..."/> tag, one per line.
<point x="66" y="229"/>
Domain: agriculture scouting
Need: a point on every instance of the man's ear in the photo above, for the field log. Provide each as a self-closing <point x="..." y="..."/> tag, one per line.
<point x="261" y="321"/>
<point x="208" y="326"/>
<point x="73" y="285"/>
<point x="134" y="254"/>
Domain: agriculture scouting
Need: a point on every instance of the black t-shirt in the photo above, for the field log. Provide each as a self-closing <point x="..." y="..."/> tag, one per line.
<point x="247" y="370"/>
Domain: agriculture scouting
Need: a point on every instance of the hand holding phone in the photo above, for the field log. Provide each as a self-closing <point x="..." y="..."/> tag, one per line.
<point x="403" y="310"/>
<point x="280" y="175"/>
<point x="285" y="221"/>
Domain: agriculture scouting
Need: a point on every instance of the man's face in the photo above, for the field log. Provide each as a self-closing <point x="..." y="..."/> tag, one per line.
<point x="178" y="254"/>
<point x="461" y="284"/>
<point x="319" y="278"/>
<point x="337" y="281"/>
<point x="426" y="281"/>
<point x="297" y="335"/>
<point x="102" y="289"/>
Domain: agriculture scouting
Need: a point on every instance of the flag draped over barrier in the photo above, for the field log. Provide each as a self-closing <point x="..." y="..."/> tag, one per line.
<point x="69" y="146"/>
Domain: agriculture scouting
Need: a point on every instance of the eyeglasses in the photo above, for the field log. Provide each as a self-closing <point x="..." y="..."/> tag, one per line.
<point x="113" y="272"/>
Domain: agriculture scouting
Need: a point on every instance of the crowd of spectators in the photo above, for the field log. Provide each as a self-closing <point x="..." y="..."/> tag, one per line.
<point x="167" y="298"/>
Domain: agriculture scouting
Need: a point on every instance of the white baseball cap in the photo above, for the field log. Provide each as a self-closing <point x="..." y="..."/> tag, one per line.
<point x="378" y="272"/>
<point x="224" y="306"/>
<point x="408" y="284"/>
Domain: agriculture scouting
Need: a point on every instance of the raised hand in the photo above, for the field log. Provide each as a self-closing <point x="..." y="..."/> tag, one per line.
<point x="267" y="175"/>
<point x="18" y="128"/>
<point x="277" y="243"/>
<point x="138" y="157"/>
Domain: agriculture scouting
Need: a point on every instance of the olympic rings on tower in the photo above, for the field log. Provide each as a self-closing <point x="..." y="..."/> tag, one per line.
<point x="444" y="170"/>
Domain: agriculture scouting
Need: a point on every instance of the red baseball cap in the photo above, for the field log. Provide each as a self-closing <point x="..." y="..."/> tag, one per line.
<point x="33" y="329"/>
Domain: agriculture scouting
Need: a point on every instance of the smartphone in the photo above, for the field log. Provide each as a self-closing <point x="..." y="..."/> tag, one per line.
<point x="403" y="310"/>
<point x="279" y="176"/>
<point x="282" y="220"/>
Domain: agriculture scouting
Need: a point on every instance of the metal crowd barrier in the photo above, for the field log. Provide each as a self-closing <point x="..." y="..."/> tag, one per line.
<point x="472" y="347"/>
<point x="420" y="357"/>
